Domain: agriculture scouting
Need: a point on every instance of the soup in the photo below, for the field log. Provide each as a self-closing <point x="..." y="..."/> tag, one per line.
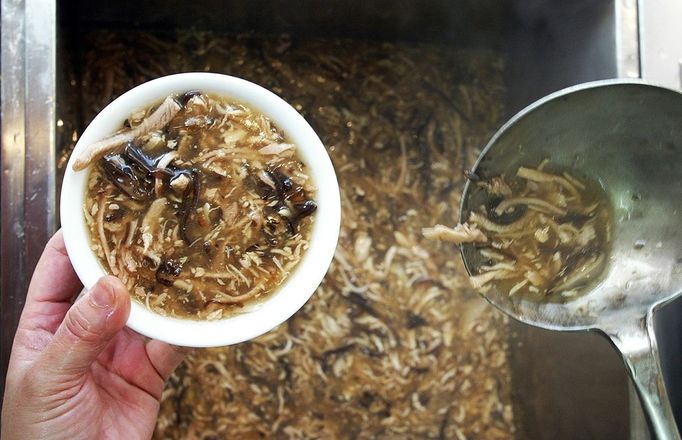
<point x="393" y="336"/>
<point x="542" y="236"/>
<point x="199" y="205"/>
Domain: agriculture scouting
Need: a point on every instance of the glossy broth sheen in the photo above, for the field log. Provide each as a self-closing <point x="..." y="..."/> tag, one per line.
<point x="549" y="235"/>
<point x="204" y="215"/>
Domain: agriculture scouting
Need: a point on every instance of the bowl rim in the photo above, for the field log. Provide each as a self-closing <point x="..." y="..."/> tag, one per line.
<point x="297" y="288"/>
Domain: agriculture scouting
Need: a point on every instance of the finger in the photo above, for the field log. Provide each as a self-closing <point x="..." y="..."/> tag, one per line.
<point x="53" y="284"/>
<point x="87" y="329"/>
<point x="54" y="279"/>
<point x="165" y="357"/>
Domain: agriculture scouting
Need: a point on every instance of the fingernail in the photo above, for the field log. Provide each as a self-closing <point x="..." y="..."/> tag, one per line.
<point x="102" y="295"/>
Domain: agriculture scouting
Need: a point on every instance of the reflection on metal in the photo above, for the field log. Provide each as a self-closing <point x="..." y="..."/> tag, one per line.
<point x="661" y="41"/>
<point x="12" y="271"/>
<point x="627" y="38"/>
<point x="39" y="180"/>
<point x="546" y="68"/>
<point x="27" y="152"/>
<point x="661" y="63"/>
<point x="637" y="343"/>
<point x="638" y="426"/>
<point x="584" y="128"/>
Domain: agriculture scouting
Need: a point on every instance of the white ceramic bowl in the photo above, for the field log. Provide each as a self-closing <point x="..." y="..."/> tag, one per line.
<point x="301" y="283"/>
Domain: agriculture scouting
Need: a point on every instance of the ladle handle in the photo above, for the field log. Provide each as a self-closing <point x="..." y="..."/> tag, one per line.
<point x="637" y="344"/>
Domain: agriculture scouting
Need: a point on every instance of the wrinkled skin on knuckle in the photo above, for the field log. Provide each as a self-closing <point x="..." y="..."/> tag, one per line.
<point x="32" y="385"/>
<point x="81" y="327"/>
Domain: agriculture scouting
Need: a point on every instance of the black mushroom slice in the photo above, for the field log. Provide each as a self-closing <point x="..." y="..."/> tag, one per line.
<point x="305" y="209"/>
<point x="190" y="202"/>
<point x="129" y="178"/>
<point x="115" y="215"/>
<point x="302" y="210"/>
<point x="285" y="186"/>
<point x="274" y="185"/>
<point x="134" y="173"/>
<point x="185" y="97"/>
<point x="168" y="272"/>
<point x="143" y="161"/>
<point x="287" y="189"/>
<point x="292" y="205"/>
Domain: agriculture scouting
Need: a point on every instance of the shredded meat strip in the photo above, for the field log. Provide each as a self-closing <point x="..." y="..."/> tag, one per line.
<point x="158" y="119"/>
<point x="462" y="233"/>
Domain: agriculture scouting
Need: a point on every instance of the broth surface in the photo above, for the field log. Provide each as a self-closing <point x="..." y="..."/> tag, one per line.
<point x="204" y="214"/>
<point x="543" y="235"/>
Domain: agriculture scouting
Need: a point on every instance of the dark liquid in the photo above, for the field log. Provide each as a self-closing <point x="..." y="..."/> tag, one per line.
<point x="223" y="224"/>
<point x="556" y="255"/>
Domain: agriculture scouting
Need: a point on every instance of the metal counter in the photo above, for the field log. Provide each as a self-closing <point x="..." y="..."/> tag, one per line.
<point x="565" y="386"/>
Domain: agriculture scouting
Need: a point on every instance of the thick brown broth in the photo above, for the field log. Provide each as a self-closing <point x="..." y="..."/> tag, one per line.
<point x="394" y="343"/>
<point x="207" y="213"/>
<point x="542" y="235"/>
<point x="558" y="255"/>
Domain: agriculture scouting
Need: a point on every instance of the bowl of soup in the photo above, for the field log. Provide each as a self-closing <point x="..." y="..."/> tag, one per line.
<point x="211" y="199"/>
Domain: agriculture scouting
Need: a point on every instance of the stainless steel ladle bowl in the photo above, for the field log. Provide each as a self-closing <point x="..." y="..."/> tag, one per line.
<point x="628" y="136"/>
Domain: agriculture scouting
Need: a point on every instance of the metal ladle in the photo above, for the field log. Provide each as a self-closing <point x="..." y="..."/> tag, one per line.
<point x="628" y="136"/>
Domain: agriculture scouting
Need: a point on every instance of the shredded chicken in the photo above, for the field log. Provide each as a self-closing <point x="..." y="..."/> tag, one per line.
<point x="265" y="178"/>
<point x="543" y="177"/>
<point x="179" y="184"/>
<point x="497" y="186"/>
<point x="530" y="201"/>
<point x="223" y="298"/>
<point x="461" y="233"/>
<point x="547" y="249"/>
<point x="275" y="148"/>
<point x="585" y="273"/>
<point x="166" y="159"/>
<point x="151" y="222"/>
<point x="105" y="246"/>
<point x="542" y="234"/>
<point x="479" y="220"/>
<point x="158" y="119"/>
<point x="478" y="281"/>
<point x="518" y="286"/>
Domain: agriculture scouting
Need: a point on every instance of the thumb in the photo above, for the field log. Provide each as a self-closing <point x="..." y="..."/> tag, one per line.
<point x="89" y="326"/>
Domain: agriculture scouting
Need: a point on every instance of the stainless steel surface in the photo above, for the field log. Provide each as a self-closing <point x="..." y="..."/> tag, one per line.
<point x="639" y="428"/>
<point x="562" y="45"/>
<point x="28" y="150"/>
<point x="550" y="45"/>
<point x="626" y="135"/>
<point x="661" y="41"/>
<point x="569" y="385"/>
<point x="637" y="343"/>
<point x="12" y="272"/>
<point x="668" y="326"/>
<point x="559" y="44"/>
<point x="627" y="38"/>
<point x="661" y="47"/>
<point x="39" y="180"/>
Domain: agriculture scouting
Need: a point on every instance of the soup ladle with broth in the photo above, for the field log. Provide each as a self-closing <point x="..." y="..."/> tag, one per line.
<point x="545" y="234"/>
<point x="628" y="137"/>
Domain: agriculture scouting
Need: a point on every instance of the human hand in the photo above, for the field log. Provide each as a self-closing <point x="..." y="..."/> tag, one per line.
<point x="75" y="371"/>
